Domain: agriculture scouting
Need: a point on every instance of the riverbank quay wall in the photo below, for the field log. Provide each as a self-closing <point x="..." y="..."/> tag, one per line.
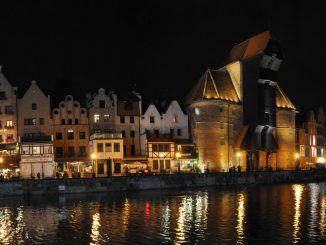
<point x="137" y="183"/>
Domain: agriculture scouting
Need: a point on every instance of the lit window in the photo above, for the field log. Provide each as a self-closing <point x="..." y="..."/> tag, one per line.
<point x="10" y="123"/>
<point x="175" y="118"/>
<point x="197" y="112"/>
<point x="96" y="118"/>
<point x="106" y="117"/>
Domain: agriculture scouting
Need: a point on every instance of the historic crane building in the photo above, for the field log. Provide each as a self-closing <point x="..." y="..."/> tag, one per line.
<point x="239" y="115"/>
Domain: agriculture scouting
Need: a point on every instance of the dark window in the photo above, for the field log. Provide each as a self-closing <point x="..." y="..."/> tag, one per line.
<point x="62" y="105"/>
<point x="123" y="133"/>
<point x="2" y="95"/>
<point x="222" y="141"/>
<point x="41" y="121"/>
<point x="70" y="135"/>
<point x="100" y="147"/>
<point x="34" y="106"/>
<point x="160" y="147"/>
<point x="100" y="168"/>
<point x="117" y="168"/>
<point x="172" y="131"/>
<point x="124" y="150"/>
<point x="128" y="106"/>
<point x="76" y="104"/>
<point x="132" y="150"/>
<point x="154" y="147"/>
<point x="102" y="103"/>
<point x="82" y="135"/>
<point x="76" y="121"/>
<point x="132" y="119"/>
<point x="155" y="164"/>
<point x="83" y="112"/>
<point x="132" y="134"/>
<point x="152" y="119"/>
<point x="58" y="135"/>
<point x="156" y="132"/>
<point x="221" y="109"/>
<point x="71" y="151"/>
<point x="70" y="121"/>
<point x="161" y="165"/>
<point x="69" y="112"/>
<point x="167" y="164"/>
<point x="166" y="147"/>
<point x="179" y="132"/>
<point x="82" y="151"/>
<point x="56" y="112"/>
<point x="63" y="121"/>
<point x="266" y="118"/>
<point x="122" y="119"/>
<point x="29" y="121"/>
<point x="108" y="147"/>
<point x="59" y="151"/>
<point x="116" y="147"/>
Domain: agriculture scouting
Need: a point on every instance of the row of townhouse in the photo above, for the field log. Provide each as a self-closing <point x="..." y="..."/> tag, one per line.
<point x="109" y="136"/>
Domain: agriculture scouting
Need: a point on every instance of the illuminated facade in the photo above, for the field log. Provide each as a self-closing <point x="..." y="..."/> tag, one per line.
<point x="107" y="152"/>
<point x="311" y="143"/>
<point x="239" y="115"/>
<point x="102" y="111"/>
<point x="71" y="139"/>
<point x="35" y="134"/>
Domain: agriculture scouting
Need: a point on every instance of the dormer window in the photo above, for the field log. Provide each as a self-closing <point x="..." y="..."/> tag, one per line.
<point x="152" y="119"/>
<point x="175" y="118"/>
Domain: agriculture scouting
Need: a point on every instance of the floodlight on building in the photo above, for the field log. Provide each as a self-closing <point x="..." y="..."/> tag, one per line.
<point x="296" y="155"/>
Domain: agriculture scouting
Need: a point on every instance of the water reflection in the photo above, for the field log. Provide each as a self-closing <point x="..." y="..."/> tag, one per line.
<point x="95" y="234"/>
<point x="246" y="215"/>
<point x="240" y="218"/>
<point x="298" y="189"/>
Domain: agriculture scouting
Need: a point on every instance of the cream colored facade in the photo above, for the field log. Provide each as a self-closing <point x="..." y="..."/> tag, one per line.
<point x="35" y="134"/>
<point x="107" y="151"/>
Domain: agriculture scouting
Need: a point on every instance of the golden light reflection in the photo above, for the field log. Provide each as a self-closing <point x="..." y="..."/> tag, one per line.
<point x="201" y="211"/>
<point x="6" y="225"/>
<point x="125" y="215"/>
<point x="165" y="222"/>
<point x="95" y="235"/>
<point x="185" y="217"/>
<point x="322" y="222"/>
<point x="314" y="192"/>
<point x="298" y="189"/>
<point x="240" y="218"/>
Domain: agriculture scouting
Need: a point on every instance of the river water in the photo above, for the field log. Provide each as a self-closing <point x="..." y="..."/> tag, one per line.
<point x="259" y="214"/>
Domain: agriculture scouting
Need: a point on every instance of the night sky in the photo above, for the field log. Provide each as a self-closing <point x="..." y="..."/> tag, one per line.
<point x="159" y="48"/>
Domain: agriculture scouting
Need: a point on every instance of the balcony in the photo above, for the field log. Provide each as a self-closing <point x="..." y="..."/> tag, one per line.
<point x="106" y="136"/>
<point x="10" y="140"/>
<point x="9" y="127"/>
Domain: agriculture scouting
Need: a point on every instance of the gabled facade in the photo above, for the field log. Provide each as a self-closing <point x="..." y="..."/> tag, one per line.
<point x="128" y="122"/>
<point x="102" y="111"/>
<point x="71" y="139"/>
<point x="35" y="134"/>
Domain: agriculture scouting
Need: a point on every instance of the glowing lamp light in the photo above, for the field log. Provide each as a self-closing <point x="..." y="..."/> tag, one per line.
<point x="1" y="159"/>
<point x="93" y="156"/>
<point x="321" y="160"/>
<point x="178" y="155"/>
<point x="239" y="154"/>
<point x="296" y="155"/>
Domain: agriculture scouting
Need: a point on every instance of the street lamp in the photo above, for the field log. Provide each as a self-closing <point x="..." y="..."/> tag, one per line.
<point x="239" y="158"/>
<point x="93" y="156"/>
<point x="296" y="157"/>
<point x="178" y="155"/>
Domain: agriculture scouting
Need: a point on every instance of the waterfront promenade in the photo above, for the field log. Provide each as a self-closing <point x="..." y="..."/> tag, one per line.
<point x="135" y="183"/>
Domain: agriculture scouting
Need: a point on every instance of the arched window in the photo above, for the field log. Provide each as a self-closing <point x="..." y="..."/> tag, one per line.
<point x="63" y="121"/>
<point x="76" y="121"/>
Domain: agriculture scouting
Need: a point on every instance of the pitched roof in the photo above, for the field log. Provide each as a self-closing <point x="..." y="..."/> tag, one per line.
<point x="282" y="101"/>
<point x="214" y="84"/>
<point x="250" y="47"/>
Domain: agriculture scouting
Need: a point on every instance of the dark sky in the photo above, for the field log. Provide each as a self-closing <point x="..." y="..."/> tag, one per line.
<point x="161" y="47"/>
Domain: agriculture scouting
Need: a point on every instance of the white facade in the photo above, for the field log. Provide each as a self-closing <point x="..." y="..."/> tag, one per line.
<point x="174" y="121"/>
